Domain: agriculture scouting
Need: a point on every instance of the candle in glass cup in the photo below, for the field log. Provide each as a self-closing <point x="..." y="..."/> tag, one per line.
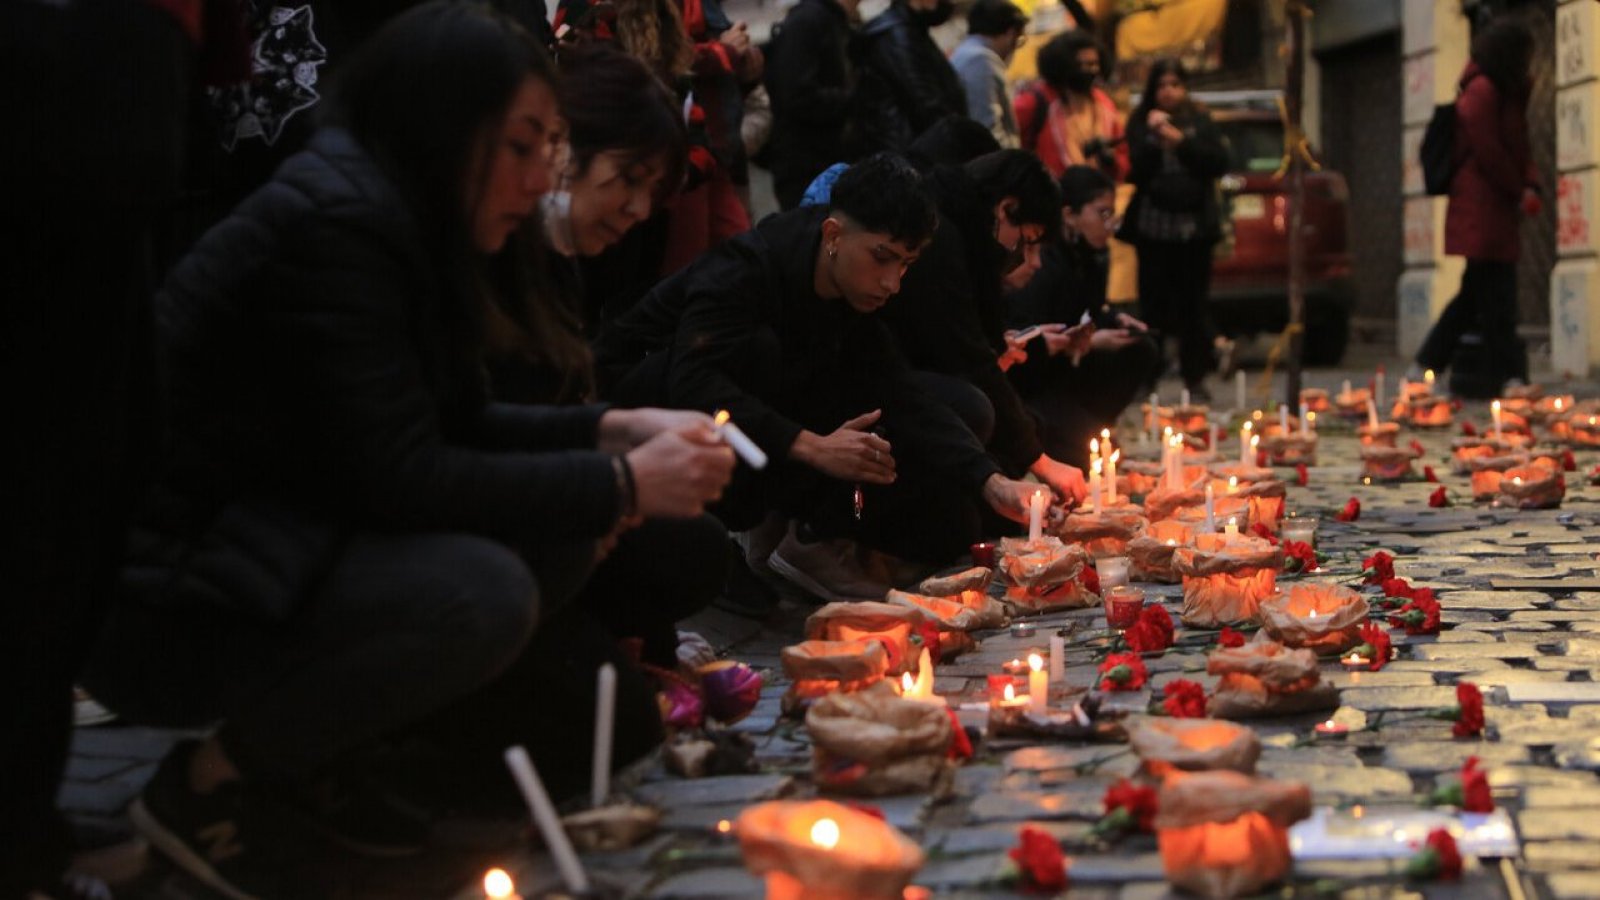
<point x="1300" y="529"/>
<point x="1355" y="661"/>
<point x="1123" y="604"/>
<point x="1113" y="571"/>
<point x="1332" y="729"/>
<point x="983" y="554"/>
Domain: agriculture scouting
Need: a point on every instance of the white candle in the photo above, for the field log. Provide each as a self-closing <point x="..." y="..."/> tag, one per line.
<point x="544" y="815"/>
<point x="1230" y="530"/>
<point x="1211" y="509"/>
<point x="1238" y="389"/>
<point x="1154" y="421"/>
<point x="605" y="716"/>
<point x="1427" y="378"/>
<point x="1038" y="685"/>
<point x="1111" y="478"/>
<point x="752" y="455"/>
<point x="1095" y="498"/>
<point x="1305" y="427"/>
<point x="1175" y="462"/>
<point x="1185" y="397"/>
<point x="1494" y="409"/>
<point x="1058" y="656"/>
<point x="920" y="688"/>
<point x="1346" y="390"/>
<point x="1283" y="419"/>
<point x="1036" y="517"/>
<point x="1377" y="389"/>
<point x="1255" y="443"/>
<point x="1372" y="415"/>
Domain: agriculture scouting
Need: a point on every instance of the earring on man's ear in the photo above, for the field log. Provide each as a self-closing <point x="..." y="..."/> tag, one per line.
<point x="833" y="251"/>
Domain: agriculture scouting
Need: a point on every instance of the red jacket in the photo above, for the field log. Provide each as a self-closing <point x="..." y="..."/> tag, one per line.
<point x="1032" y="108"/>
<point x="1494" y="165"/>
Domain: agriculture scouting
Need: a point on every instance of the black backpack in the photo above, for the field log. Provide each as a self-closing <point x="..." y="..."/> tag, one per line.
<point x="1438" y="151"/>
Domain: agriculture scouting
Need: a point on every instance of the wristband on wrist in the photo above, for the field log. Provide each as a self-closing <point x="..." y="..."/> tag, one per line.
<point x="627" y="489"/>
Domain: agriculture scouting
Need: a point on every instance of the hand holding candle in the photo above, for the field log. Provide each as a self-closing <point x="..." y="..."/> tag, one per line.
<point x="730" y="433"/>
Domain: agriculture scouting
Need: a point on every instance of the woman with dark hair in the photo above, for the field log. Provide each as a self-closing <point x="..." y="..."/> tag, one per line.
<point x="349" y="542"/>
<point x="1173" y="218"/>
<point x="1494" y="186"/>
<point x="1072" y="402"/>
<point x="1064" y="117"/>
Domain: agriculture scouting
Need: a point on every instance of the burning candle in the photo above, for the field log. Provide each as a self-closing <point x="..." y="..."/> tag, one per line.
<point x="1303" y="530"/>
<point x="1038" y="684"/>
<point x="1123" y="604"/>
<point x="1305" y="421"/>
<point x="731" y="435"/>
<point x="1310" y="423"/>
<point x="1153" y="421"/>
<point x="1355" y="661"/>
<point x="1036" y="517"/>
<point x="1332" y="729"/>
<point x="1346" y="390"/>
<point x="1372" y="415"/>
<point x="920" y="688"/>
<point x="1238" y="389"/>
<point x="497" y="885"/>
<point x="1494" y="409"/>
<point x="983" y="554"/>
<point x="1113" y="571"/>
<point x="1283" y="419"/>
<point x="1009" y="698"/>
<point x="1094" y="499"/>
<point x="605" y="714"/>
<point x="1185" y="397"/>
<point x="1211" y="509"/>
<point x="1231" y="531"/>
<point x="1233" y="484"/>
<point x="1111" y="478"/>
<point x="1247" y="455"/>
<point x="1377" y="386"/>
<point x="1175" y="462"/>
<point x="1014" y="667"/>
<point x="1058" y="656"/>
<point x="1427" y="378"/>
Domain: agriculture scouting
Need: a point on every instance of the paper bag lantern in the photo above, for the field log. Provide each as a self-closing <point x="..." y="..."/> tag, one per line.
<point x="1193" y="745"/>
<point x="1265" y="678"/>
<point x="1525" y="391"/>
<point x="1150" y="554"/>
<point x="1429" y="412"/>
<point x="1264" y="503"/>
<point x="1192" y="421"/>
<point x="820" y="668"/>
<point x="1223" y="834"/>
<point x="1352" y="404"/>
<point x="874" y="743"/>
<point x="1243" y="474"/>
<point x="1103" y="532"/>
<point x="872" y="621"/>
<point x="1225" y="580"/>
<point x="1137" y="477"/>
<point x="1164" y="503"/>
<point x="1465" y="452"/>
<point x="975" y="579"/>
<point x="1532" y="487"/>
<point x="1314" y="400"/>
<point x="1584" y="430"/>
<point x="1550" y="409"/>
<point x="952" y="614"/>
<point x="1291" y="449"/>
<point x="1045" y="575"/>
<point x="1382" y="436"/>
<point x="1387" y="463"/>
<point x="1486" y="483"/>
<point x="1323" y="618"/>
<point x="821" y="850"/>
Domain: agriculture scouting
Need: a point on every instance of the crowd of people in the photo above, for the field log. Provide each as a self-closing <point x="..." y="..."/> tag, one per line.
<point x="435" y="387"/>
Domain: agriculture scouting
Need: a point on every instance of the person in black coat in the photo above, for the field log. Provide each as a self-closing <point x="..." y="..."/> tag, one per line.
<point x="349" y="541"/>
<point x="810" y="80"/>
<point x="950" y="319"/>
<point x="1173" y="220"/>
<point x="780" y="327"/>
<point x="906" y="83"/>
<point x="1075" y="389"/>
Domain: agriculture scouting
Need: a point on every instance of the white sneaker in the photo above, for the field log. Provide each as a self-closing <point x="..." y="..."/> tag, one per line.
<point x="829" y="570"/>
<point x="87" y="711"/>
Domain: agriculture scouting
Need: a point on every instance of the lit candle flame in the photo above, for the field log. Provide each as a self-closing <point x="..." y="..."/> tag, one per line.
<point x="1558" y="404"/>
<point x="1256" y="415"/>
<point x="825" y="834"/>
<point x="1255" y="441"/>
<point x="1311" y="417"/>
<point x="724" y="826"/>
<point x="1035" y="662"/>
<point x="1330" y="724"/>
<point x="1233" y="484"/>
<point x="1171" y="542"/>
<point x="721" y="417"/>
<point x="1495" y="406"/>
<point x="907" y="683"/>
<point x="498" y="885"/>
<point x="1116" y="455"/>
<point x="1428" y="376"/>
<point x="1094" y="446"/>
<point x="1011" y="692"/>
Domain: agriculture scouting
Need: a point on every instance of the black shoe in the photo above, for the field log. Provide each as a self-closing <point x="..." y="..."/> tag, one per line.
<point x="360" y="816"/>
<point x="235" y="840"/>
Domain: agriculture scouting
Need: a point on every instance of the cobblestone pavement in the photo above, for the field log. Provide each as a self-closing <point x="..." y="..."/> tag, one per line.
<point x="1520" y="593"/>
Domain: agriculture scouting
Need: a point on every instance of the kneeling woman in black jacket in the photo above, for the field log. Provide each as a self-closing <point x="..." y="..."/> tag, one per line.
<point x="350" y="541"/>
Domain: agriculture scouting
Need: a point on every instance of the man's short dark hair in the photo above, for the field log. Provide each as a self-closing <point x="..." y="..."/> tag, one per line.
<point x="990" y="18"/>
<point x="1019" y="175"/>
<point x="1058" y="59"/>
<point x="1080" y="185"/>
<point x="884" y="194"/>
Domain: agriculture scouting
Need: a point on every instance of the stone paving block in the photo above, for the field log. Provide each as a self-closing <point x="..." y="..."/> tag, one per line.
<point x="1080" y="800"/>
<point x="962" y="872"/>
<point x="1382" y="678"/>
<point x="708" y="791"/>
<point x="1549" y="856"/>
<point x="1557" y="825"/>
<point x="1510" y="601"/>
<point x="1525" y="776"/>
<point x="1378" y="699"/>
<point x="708" y="883"/>
<point x="999" y="838"/>
<point x="1333" y="784"/>
<point x="1440" y="756"/>
<point x="1497" y="650"/>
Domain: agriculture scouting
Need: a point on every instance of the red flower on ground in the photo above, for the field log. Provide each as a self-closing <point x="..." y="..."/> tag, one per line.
<point x="1123" y="672"/>
<point x="1376" y="646"/>
<point x="1439" y="858"/>
<point x="1299" y="557"/>
<point x="1229" y="638"/>
<point x="1260" y="530"/>
<point x="1382" y="566"/>
<point x="1136" y="802"/>
<point x="1039" y="859"/>
<point x="1475" y="795"/>
<point x="1469" y="722"/>
<point x="1301" y="475"/>
<point x="1429" y="475"/>
<point x="1440" y="498"/>
<point x="1469" y="429"/>
<point x="1350" y="513"/>
<point x="960" y="743"/>
<point x="1419" y="616"/>
<point x="1184" y="699"/>
<point x="1153" y="632"/>
<point x="1569" y="463"/>
<point x="1261" y="459"/>
<point x="1398" y="587"/>
<point x="1417" y="448"/>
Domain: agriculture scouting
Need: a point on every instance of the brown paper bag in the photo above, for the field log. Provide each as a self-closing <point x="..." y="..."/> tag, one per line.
<point x="1193" y="745"/>
<point x="1223" y="834"/>
<point x="874" y="743"/>
<point x="870" y="620"/>
<point x="1224" y="582"/>
<point x="1322" y="618"/>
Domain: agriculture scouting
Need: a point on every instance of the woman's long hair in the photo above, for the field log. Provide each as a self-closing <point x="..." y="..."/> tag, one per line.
<point x="614" y="103"/>
<point x="1504" y="51"/>
<point x="1159" y="69"/>
<point x="653" y="31"/>
<point x="424" y="97"/>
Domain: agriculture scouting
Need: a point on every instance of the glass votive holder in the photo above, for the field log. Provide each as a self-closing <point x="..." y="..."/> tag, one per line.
<point x="983" y="554"/>
<point x="1123" y="604"/>
<point x="1299" y="528"/>
<point x="1113" y="571"/>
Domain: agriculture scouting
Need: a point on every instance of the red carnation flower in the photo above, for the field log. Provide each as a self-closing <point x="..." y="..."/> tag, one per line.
<point x="1419" y="616"/>
<point x="1184" y="699"/>
<point x="1469" y="722"/>
<point x="928" y="634"/>
<point x="1440" y="498"/>
<point x="1469" y="429"/>
<point x="1350" y="513"/>
<point x="1040" y="862"/>
<point x="1137" y="803"/>
<point x="1376" y="647"/>
<point x="1261" y="459"/>
<point x="1439" y="858"/>
<point x="1153" y="632"/>
<point x="1475" y="795"/>
<point x="1090" y="580"/>
<point x="1382" y="566"/>
<point x="1429" y="475"/>
<point x="1398" y="587"/>
<point x="1299" y="557"/>
<point x="1229" y="638"/>
<point x="1123" y="672"/>
<point x="1301" y="475"/>
<point x="1569" y="463"/>
<point x="1417" y="448"/>
<point x="1260" y="530"/>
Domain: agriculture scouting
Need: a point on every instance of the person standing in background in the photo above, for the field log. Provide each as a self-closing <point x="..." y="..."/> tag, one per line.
<point x="1494" y="186"/>
<point x="906" y="83"/>
<point x="1064" y="118"/>
<point x="810" y="80"/>
<point x="994" y="32"/>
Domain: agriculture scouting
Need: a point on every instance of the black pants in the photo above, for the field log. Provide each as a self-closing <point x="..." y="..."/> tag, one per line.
<point x="1174" y="293"/>
<point x="660" y="573"/>
<point x="95" y="111"/>
<point x="1486" y="305"/>
<point x="1071" y="404"/>
<point x="406" y="630"/>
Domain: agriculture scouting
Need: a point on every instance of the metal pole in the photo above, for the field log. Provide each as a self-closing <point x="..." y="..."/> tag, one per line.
<point x="1294" y="101"/>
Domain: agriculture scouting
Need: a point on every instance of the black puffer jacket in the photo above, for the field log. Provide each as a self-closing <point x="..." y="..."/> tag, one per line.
<point x="1188" y="186"/>
<point x="316" y="390"/>
<point x="810" y="80"/>
<point x="906" y="83"/>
